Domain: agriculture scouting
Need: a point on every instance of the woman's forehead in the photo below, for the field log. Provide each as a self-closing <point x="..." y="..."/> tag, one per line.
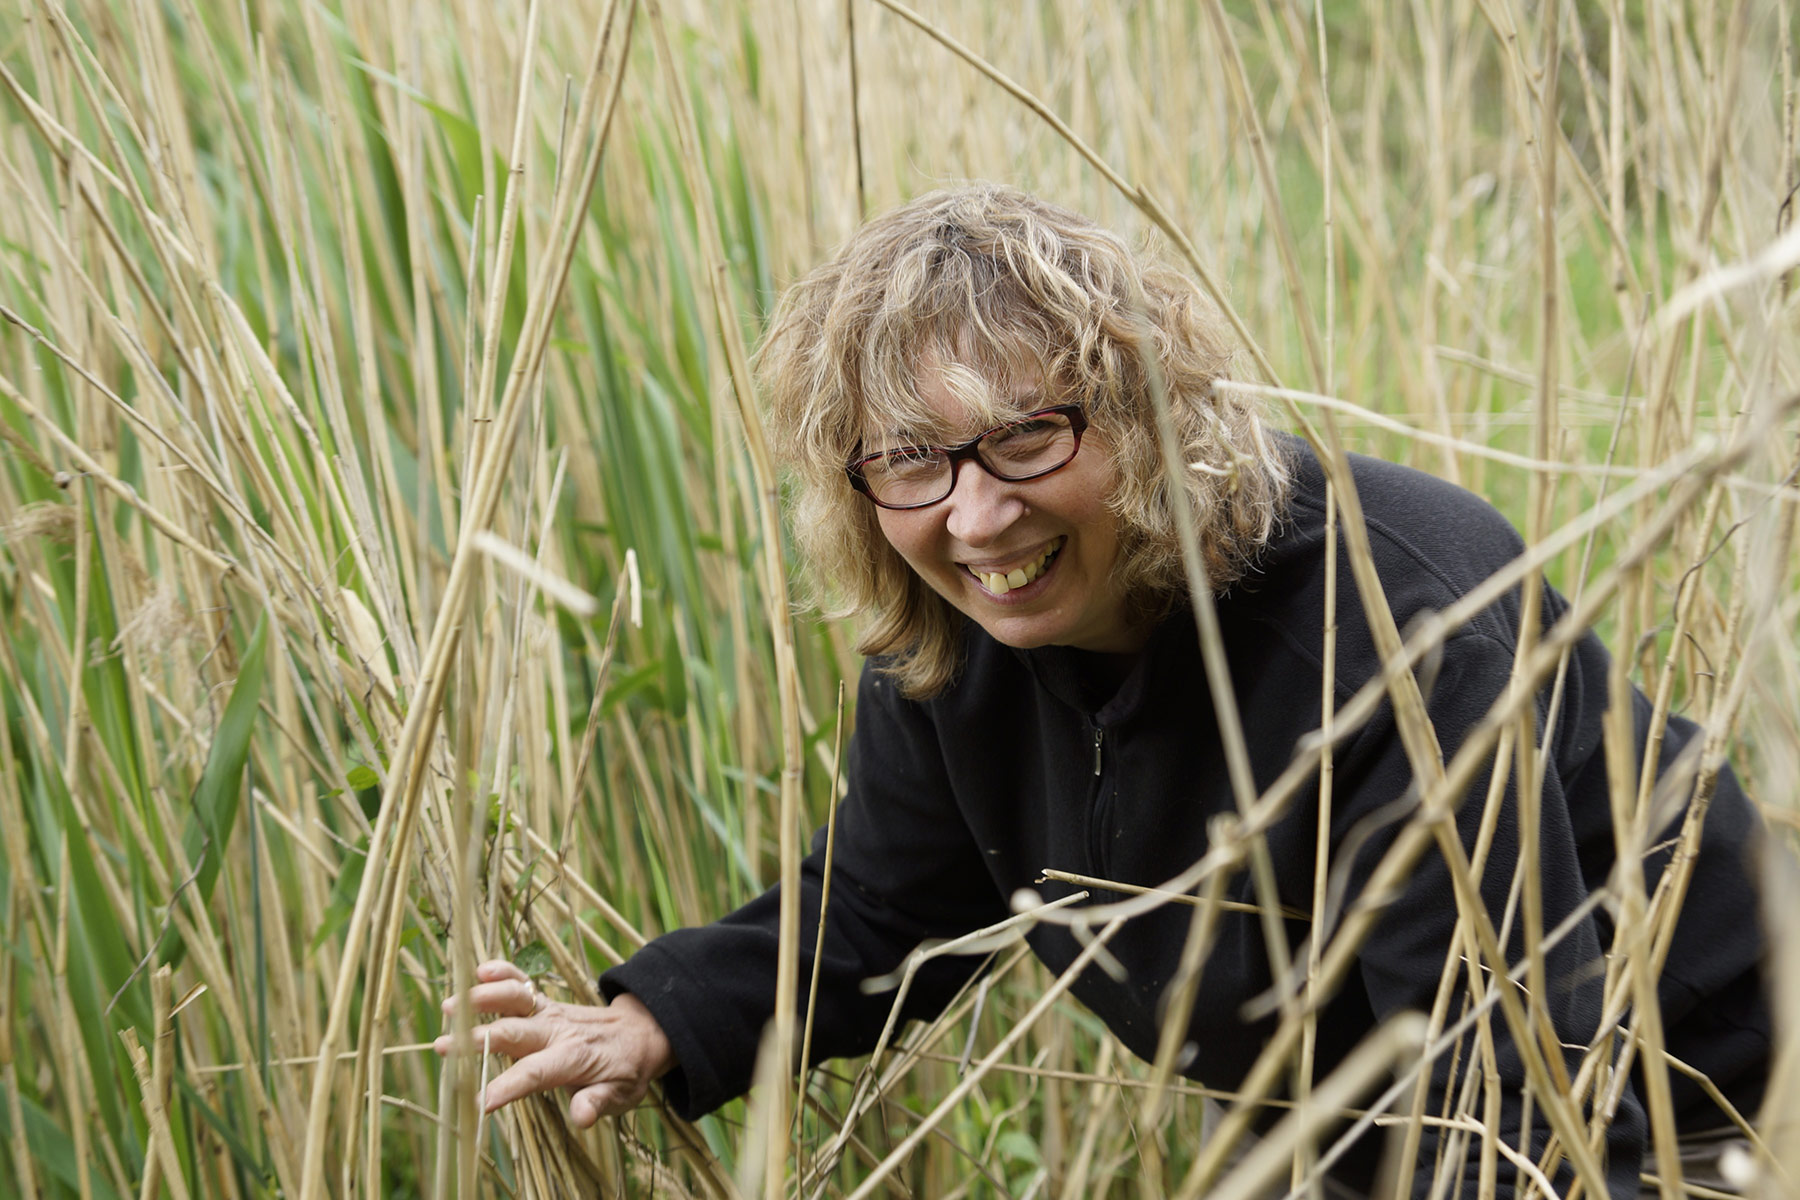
<point x="946" y="396"/>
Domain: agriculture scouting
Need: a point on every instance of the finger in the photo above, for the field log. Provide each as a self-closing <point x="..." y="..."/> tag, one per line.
<point x="497" y="969"/>
<point x="541" y="1072"/>
<point x="603" y="1100"/>
<point x="507" y="997"/>
<point x="514" y="1037"/>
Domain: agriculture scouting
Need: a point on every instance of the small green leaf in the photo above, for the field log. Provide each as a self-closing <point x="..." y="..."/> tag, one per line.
<point x="643" y="679"/>
<point x="343" y="894"/>
<point x="232" y="1139"/>
<point x="1019" y="1146"/>
<point x="493" y="816"/>
<point x="221" y="787"/>
<point x="222" y="782"/>
<point x="533" y="958"/>
<point x="52" y="1149"/>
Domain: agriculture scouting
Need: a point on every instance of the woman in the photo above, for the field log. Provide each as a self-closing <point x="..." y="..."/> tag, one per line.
<point x="964" y="398"/>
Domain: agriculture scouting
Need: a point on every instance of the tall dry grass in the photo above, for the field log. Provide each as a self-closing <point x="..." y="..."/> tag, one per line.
<point x="381" y="487"/>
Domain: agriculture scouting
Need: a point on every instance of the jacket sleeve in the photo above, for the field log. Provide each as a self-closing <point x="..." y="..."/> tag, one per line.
<point x="1401" y="962"/>
<point x="904" y="871"/>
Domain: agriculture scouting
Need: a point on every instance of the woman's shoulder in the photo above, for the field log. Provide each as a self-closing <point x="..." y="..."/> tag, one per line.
<point x="1423" y="515"/>
<point x="1432" y="542"/>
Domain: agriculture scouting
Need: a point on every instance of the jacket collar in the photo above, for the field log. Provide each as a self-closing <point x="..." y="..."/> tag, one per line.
<point x="1101" y="686"/>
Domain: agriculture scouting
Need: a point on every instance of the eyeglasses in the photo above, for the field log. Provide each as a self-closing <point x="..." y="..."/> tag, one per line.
<point x="916" y="476"/>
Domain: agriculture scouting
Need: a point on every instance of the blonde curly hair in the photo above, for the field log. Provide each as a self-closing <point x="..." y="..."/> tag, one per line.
<point x="1017" y="304"/>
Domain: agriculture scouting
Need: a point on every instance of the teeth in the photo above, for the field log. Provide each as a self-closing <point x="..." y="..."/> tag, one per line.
<point x="1000" y="584"/>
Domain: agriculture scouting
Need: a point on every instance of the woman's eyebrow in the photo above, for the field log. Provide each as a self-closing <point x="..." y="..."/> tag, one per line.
<point x="894" y="438"/>
<point x="930" y="435"/>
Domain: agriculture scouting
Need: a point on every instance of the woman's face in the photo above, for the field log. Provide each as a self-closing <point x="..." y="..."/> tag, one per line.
<point x="1054" y="533"/>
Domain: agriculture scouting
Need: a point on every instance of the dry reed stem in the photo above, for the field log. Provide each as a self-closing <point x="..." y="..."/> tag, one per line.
<point x="812" y="988"/>
<point x="500" y="256"/>
<point x="1183" y="987"/>
<point x="1306" y="1160"/>
<point x="1224" y="698"/>
<point x="1265" y="174"/>
<point x="156" y="1083"/>
<point x="1132" y="889"/>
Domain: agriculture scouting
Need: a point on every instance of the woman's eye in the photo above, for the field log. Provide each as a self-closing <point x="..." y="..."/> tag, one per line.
<point x="1022" y="434"/>
<point x="910" y="460"/>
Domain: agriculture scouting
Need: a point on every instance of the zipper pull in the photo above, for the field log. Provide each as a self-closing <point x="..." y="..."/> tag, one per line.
<point x="1098" y="734"/>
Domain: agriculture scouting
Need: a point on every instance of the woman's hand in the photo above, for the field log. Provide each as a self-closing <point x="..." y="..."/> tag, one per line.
<point x="609" y="1055"/>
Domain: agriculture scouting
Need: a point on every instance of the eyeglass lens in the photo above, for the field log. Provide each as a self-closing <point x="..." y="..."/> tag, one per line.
<point x="913" y="475"/>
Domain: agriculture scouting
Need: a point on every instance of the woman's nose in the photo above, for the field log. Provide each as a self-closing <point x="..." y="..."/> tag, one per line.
<point x="979" y="507"/>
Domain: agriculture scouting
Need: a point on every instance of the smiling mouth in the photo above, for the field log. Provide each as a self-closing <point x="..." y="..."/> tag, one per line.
<point x="1001" y="583"/>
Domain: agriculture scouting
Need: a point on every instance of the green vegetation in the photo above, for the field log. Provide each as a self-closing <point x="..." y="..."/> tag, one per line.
<point x="298" y="301"/>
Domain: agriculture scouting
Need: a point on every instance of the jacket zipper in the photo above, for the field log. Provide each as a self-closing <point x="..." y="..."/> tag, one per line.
<point x="1097" y="807"/>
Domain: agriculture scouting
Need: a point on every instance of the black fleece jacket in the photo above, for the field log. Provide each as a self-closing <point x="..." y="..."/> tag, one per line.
<point x="1029" y="760"/>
